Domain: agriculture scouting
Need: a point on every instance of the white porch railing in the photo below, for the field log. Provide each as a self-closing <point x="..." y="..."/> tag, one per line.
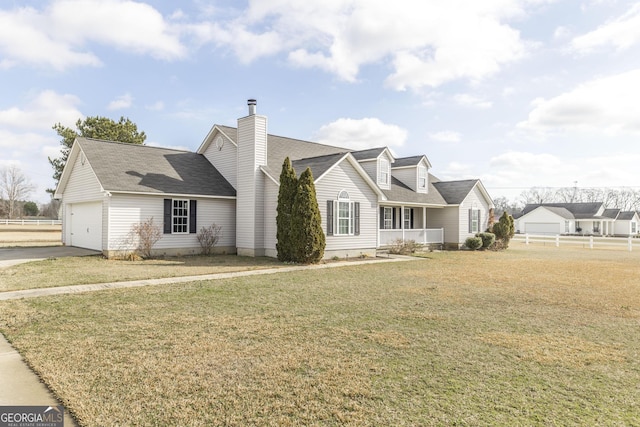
<point x="423" y="236"/>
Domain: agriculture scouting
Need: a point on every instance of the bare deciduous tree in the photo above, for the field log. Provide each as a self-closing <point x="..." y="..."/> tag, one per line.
<point x="14" y="187"/>
<point x="148" y="235"/>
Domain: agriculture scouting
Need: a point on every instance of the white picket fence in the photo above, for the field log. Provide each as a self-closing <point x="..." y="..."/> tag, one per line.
<point x="30" y="222"/>
<point x="584" y="241"/>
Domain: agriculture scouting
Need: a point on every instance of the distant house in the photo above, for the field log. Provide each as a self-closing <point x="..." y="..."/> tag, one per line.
<point x="576" y="218"/>
<point x="367" y="198"/>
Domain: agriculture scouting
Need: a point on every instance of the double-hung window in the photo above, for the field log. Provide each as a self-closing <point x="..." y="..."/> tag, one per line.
<point x="388" y="218"/>
<point x="407" y="218"/>
<point x="422" y="177"/>
<point x="474" y="220"/>
<point x="383" y="175"/>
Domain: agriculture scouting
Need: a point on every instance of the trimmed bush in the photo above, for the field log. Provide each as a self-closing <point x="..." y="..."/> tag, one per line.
<point x="504" y="230"/>
<point x="473" y="243"/>
<point x="488" y="239"/>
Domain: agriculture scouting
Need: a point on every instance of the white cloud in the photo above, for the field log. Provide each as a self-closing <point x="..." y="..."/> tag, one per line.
<point x="445" y="136"/>
<point x="620" y="33"/>
<point x="360" y="134"/>
<point x="56" y="36"/>
<point x="427" y="44"/>
<point x="156" y="106"/>
<point x="606" y="105"/>
<point x="43" y="111"/>
<point x="121" y="102"/>
<point x="467" y="100"/>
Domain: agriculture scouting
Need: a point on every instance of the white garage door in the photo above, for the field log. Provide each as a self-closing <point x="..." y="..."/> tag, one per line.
<point x="86" y="225"/>
<point x="541" y="228"/>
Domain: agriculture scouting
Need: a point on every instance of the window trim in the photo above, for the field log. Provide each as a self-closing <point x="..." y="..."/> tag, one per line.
<point x="474" y="219"/>
<point x="422" y="177"/>
<point x="384" y="172"/>
<point x="406" y="222"/>
<point x="387" y="220"/>
<point x="185" y="216"/>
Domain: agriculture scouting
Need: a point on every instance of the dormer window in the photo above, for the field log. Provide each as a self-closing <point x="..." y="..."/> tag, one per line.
<point x="383" y="174"/>
<point x="422" y="177"/>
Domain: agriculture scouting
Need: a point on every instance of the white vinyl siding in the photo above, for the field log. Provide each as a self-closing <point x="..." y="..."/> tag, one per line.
<point x="82" y="186"/>
<point x="345" y="177"/>
<point x="224" y="160"/>
<point x="543" y="221"/>
<point x="126" y="210"/>
<point x="475" y="201"/>
<point x="449" y="219"/>
<point x="252" y="153"/>
<point x="406" y="175"/>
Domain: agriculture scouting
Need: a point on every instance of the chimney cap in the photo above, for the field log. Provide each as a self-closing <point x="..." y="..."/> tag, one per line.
<point x="251" y="102"/>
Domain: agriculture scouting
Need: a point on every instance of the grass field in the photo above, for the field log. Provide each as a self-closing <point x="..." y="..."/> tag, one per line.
<point x="534" y="336"/>
<point x="30" y="235"/>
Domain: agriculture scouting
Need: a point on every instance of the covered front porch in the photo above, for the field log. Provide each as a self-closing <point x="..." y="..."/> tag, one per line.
<point x="598" y="227"/>
<point x="406" y="222"/>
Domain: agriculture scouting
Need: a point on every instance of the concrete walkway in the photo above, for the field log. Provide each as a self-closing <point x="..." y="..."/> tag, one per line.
<point x="19" y="385"/>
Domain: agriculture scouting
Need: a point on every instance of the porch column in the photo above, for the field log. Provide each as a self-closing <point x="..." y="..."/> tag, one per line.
<point x="424" y="223"/>
<point x="402" y="221"/>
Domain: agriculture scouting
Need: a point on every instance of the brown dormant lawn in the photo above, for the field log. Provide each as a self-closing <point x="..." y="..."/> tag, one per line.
<point x="535" y="336"/>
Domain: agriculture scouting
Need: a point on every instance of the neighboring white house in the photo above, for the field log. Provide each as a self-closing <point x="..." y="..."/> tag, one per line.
<point x="576" y="218"/>
<point x="627" y="224"/>
<point x="367" y="198"/>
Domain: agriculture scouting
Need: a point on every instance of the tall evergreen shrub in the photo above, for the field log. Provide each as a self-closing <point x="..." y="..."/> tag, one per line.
<point x="286" y="197"/>
<point x="306" y="224"/>
<point x="504" y="230"/>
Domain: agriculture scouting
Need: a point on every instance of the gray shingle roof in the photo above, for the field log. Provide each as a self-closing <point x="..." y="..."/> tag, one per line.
<point x="318" y="165"/>
<point x="279" y="147"/>
<point x="141" y="168"/>
<point x="611" y="213"/>
<point x="563" y="212"/>
<point x="407" y="161"/>
<point x="401" y="193"/>
<point x="454" y="192"/>
<point x="579" y="210"/>
<point x="369" y="154"/>
<point x="626" y="215"/>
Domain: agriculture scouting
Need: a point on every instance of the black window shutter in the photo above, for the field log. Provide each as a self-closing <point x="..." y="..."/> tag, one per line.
<point x="470" y="220"/>
<point x="329" y="217"/>
<point x="395" y="225"/>
<point x="356" y="215"/>
<point x="411" y="224"/>
<point x="193" y="227"/>
<point x="167" y="217"/>
<point x="381" y="218"/>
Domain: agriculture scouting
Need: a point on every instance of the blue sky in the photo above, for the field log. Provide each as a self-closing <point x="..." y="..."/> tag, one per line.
<point x="517" y="93"/>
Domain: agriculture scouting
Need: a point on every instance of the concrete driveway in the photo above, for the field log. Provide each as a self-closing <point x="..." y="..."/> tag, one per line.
<point x="13" y="256"/>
